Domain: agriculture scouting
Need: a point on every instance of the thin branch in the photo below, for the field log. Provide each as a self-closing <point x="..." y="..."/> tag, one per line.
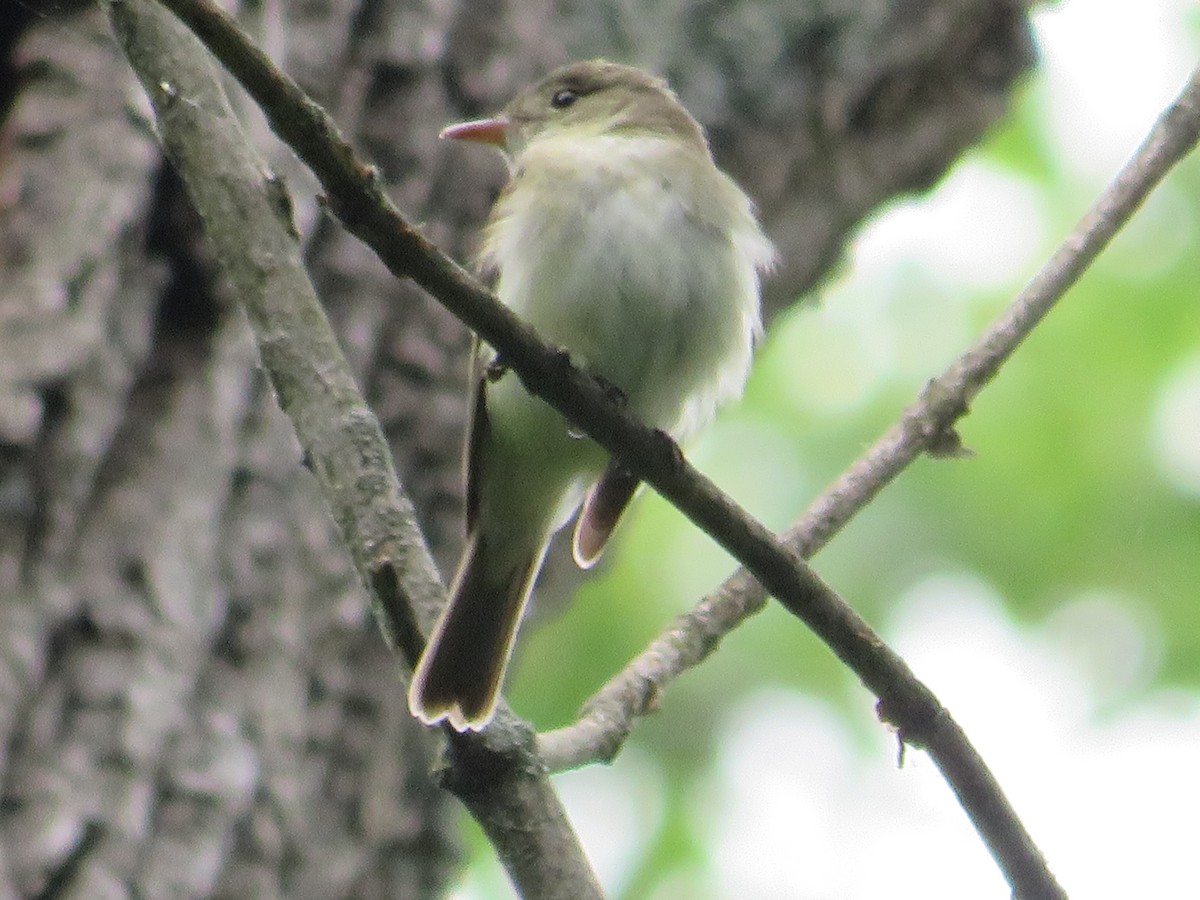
<point x="925" y="427"/>
<point x="247" y="216"/>
<point x="355" y="194"/>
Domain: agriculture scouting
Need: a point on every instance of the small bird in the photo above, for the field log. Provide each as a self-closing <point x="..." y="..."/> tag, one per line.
<point x="619" y="239"/>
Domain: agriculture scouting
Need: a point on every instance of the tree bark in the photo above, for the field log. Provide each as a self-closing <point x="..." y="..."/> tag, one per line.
<point x="196" y="701"/>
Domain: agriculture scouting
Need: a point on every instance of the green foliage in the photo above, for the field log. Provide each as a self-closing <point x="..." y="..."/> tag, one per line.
<point x="1066" y="494"/>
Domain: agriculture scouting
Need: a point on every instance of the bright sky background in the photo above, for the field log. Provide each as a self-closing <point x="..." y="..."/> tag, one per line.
<point x="1110" y="797"/>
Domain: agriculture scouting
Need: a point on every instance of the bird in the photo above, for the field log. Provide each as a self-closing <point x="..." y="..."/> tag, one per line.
<point x="619" y="239"/>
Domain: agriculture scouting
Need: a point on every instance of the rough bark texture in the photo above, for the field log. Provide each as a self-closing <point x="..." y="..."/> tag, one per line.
<point x="194" y="701"/>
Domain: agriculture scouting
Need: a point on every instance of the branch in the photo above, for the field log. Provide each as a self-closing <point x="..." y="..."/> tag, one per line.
<point x="247" y="216"/>
<point x="355" y="194"/>
<point x="925" y="427"/>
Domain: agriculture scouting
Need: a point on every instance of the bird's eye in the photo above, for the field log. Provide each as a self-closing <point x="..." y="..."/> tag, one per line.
<point x="563" y="98"/>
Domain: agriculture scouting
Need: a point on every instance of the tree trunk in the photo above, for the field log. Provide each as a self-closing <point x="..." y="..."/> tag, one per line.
<point x="196" y="701"/>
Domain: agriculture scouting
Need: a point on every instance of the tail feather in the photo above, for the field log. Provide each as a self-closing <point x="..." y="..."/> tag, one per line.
<point x="461" y="671"/>
<point x="602" y="510"/>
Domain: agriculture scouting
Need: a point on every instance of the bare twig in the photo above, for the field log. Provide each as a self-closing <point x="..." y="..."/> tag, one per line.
<point x="925" y="427"/>
<point x="356" y="196"/>
<point x="247" y="217"/>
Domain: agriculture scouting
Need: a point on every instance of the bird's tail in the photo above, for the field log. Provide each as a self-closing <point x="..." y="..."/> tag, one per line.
<point x="462" y="669"/>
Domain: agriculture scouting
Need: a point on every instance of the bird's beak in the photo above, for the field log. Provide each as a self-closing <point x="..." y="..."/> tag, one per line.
<point x="483" y="131"/>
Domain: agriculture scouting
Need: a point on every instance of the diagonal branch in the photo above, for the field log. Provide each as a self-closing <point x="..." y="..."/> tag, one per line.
<point x="355" y="194"/>
<point x="925" y="427"/>
<point x="247" y="216"/>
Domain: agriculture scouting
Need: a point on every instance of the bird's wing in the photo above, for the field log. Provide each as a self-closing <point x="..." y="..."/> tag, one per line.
<point x="477" y="424"/>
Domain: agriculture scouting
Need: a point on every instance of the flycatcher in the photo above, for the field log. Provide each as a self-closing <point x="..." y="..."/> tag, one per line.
<point x="619" y="239"/>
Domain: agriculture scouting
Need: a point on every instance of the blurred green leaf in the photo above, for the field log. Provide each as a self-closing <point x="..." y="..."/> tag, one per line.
<point x="1064" y="496"/>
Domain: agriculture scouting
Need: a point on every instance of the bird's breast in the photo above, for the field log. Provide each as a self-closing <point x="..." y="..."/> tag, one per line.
<point x="625" y="255"/>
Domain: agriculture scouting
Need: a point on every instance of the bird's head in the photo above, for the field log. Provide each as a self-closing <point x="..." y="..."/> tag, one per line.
<point x="586" y="99"/>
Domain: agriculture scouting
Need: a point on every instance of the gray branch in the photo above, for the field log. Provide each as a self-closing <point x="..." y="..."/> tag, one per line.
<point x="355" y="195"/>
<point x="247" y="215"/>
<point x="925" y="427"/>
